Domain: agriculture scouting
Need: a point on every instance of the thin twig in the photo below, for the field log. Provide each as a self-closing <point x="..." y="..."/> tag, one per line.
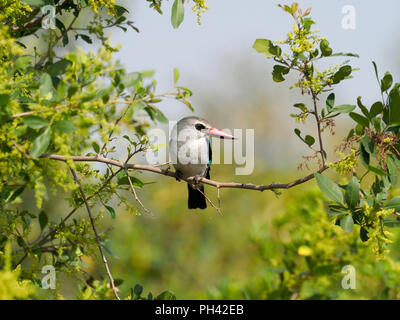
<point x="134" y="192"/>
<point x="115" y="125"/>
<point x="114" y="288"/>
<point x="317" y="119"/>
<point x="210" y="202"/>
<point x="69" y="215"/>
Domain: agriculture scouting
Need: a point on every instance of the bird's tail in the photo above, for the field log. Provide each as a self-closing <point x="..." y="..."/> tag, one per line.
<point x="196" y="199"/>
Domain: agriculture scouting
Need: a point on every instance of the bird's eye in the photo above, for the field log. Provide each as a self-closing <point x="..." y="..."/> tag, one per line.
<point x="199" y="126"/>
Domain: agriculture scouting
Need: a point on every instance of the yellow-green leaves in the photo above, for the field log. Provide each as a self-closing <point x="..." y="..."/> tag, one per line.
<point x="330" y="102"/>
<point x="278" y="72"/>
<point x="43" y="219"/>
<point x="64" y="126"/>
<point x="176" y="75"/>
<point x="266" y="47"/>
<point x="35" y="122"/>
<point x="177" y="13"/>
<point x="329" y="188"/>
<point x="41" y="143"/>
<point x="393" y="203"/>
<point x="342" y="74"/>
<point x="45" y="85"/>
<point x="308" y="140"/>
<point x="352" y="195"/>
<point x="343" y="108"/>
<point x="326" y="51"/>
<point x="386" y="82"/>
<point x="347" y="223"/>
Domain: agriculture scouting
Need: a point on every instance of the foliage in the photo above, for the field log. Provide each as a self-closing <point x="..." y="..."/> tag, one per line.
<point x="374" y="139"/>
<point x="75" y="102"/>
<point x="71" y="104"/>
<point x="11" y="287"/>
<point x="305" y="253"/>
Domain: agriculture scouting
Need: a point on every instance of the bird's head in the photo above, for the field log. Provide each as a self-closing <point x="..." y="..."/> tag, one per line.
<point x="202" y="128"/>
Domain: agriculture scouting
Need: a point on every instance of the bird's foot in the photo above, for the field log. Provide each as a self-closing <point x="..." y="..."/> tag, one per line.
<point x="178" y="175"/>
<point x="196" y="179"/>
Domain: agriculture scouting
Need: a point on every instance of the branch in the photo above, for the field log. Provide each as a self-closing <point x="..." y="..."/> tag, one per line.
<point x="41" y="240"/>
<point x="166" y="172"/>
<point x="134" y="191"/>
<point x="96" y="234"/>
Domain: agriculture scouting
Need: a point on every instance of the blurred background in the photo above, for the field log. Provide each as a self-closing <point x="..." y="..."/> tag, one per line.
<point x="200" y="254"/>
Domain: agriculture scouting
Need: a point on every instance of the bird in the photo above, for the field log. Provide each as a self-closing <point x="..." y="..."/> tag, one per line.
<point x="191" y="154"/>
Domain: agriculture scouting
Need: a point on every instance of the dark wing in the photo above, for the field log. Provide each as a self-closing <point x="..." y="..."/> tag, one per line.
<point x="209" y="160"/>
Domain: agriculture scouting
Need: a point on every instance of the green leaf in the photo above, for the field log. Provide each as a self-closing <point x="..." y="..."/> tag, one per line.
<point x="176" y="75"/>
<point x="266" y="47"/>
<point x="301" y="106"/>
<point x="377" y="170"/>
<point x="341" y="54"/>
<point x="41" y="143"/>
<point x="166" y="295"/>
<point x="352" y="195"/>
<point x="43" y="219"/>
<point x="386" y="82"/>
<point x="278" y="72"/>
<point x="156" y="114"/>
<point x="123" y="180"/>
<point x="365" y="157"/>
<point x="84" y="37"/>
<point x="392" y="171"/>
<point x="329" y="188"/>
<point x="111" y="211"/>
<point x="368" y="144"/>
<point x="35" y="122"/>
<point x="376" y="70"/>
<point x="344" y="108"/>
<point x="326" y="51"/>
<point x="63" y="31"/>
<point x="376" y="109"/>
<point x="59" y="68"/>
<point x="391" y="114"/>
<point x="363" y="108"/>
<point x="309" y="140"/>
<point x="342" y="74"/>
<point x="45" y="84"/>
<point x="15" y="194"/>
<point x="330" y="102"/>
<point x="4" y="100"/>
<point x="393" y="203"/>
<point x="177" y="14"/>
<point x="64" y="126"/>
<point x="363" y="234"/>
<point x="347" y="223"/>
<point x="138" y="290"/>
<point x="96" y="147"/>
<point x="359" y="119"/>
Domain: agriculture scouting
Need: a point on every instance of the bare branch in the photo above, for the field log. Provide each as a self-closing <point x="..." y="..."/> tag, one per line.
<point x="210" y="202"/>
<point x="96" y="234"/>
<point x="41" y="240"/>
<point x="166" y="172"/>
<point x="134" y="191"/>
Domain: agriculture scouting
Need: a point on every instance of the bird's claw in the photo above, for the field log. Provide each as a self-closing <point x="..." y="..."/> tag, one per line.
<point x="178" y="175"/>
<point x="196" y="179"/>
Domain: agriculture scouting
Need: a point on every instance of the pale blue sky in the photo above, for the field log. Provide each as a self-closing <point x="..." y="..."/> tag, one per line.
<point x="217" y="62"/>
<point x="230" y="28"/>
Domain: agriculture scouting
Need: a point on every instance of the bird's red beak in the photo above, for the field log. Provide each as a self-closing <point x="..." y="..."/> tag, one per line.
<point x="219" y="133"/>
